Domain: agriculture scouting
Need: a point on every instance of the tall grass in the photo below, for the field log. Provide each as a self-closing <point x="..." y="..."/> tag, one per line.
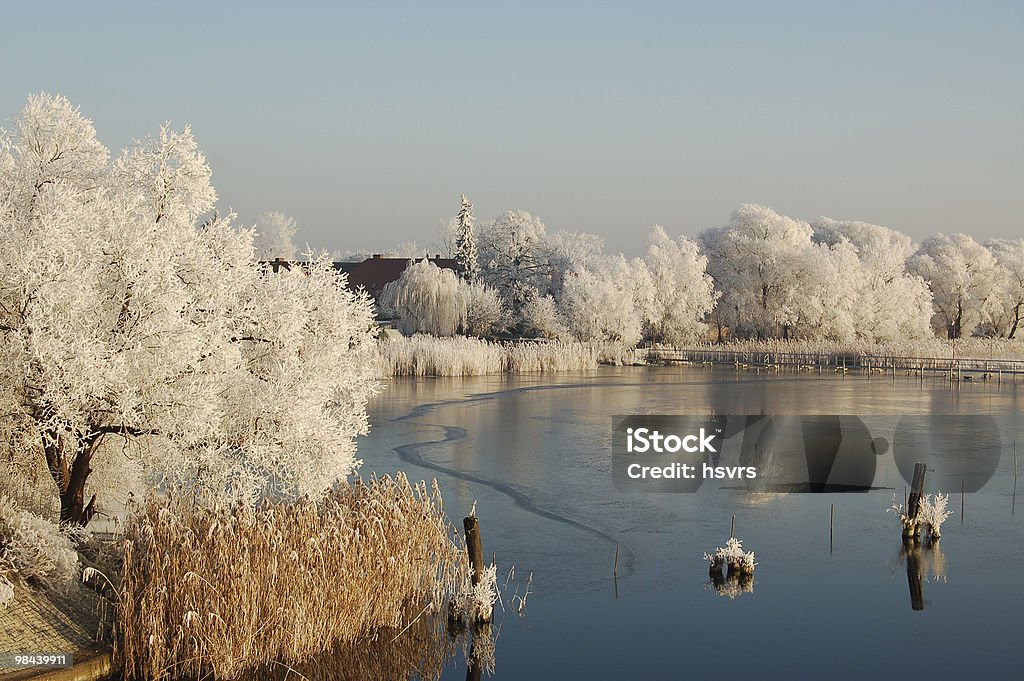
<point x="214" y="592"/>
<point x="425" y="355"/>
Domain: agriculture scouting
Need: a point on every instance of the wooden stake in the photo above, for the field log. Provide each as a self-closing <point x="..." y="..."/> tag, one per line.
<point x="1015" y="459"/>
<point x="962" y="502"/>
<point x="732" y="529"/>
<point x="615" y="568"/>
<point x="831" y="524"/>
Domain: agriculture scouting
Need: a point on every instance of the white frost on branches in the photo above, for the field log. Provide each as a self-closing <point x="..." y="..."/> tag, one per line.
<point x="136" y="335"/>
<point x="1008" y="310"/>
<point x="598" y="305"/>
<point x="515" y="258"/>
<point x="682" y="294"/>
<point x="431" y="299"/>
<point x="963" y="277"/>
<point x="465" y="243"/>
<point x="275" y="237"/>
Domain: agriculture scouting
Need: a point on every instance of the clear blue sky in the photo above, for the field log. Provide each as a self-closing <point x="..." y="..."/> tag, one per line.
<point x="366" y="121"/>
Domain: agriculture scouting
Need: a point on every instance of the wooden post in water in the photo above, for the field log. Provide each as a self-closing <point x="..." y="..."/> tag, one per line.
<point x="475" y="551"/>
<point x="615" y="567"/>
<point x="914" y="501"/>
<point x="832" y="522"/>
<point x="732" y="529"/>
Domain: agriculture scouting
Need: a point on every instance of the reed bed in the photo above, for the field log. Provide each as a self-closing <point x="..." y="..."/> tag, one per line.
<point x="425" y="355"/>
<point x="212" y="593"/>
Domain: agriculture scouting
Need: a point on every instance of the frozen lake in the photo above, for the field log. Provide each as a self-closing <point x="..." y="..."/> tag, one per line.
<point x="534" y="452"/>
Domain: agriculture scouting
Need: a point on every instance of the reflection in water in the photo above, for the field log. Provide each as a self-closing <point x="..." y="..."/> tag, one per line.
<point x="480" y="658"/>
<point x="422" y="651"/>
<point x="731" y="586"/>
<point x="925" y="563"/>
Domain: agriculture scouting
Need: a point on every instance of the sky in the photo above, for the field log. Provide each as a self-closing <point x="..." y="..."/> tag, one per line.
<point x="367" y="121"/>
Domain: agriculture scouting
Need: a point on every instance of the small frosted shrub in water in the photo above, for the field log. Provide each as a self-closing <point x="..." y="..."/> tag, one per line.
<point x="475" y="603"/>
<point x="732" y="554"/>
<point x="897" y="510"/>
<point x="933" y="513"/>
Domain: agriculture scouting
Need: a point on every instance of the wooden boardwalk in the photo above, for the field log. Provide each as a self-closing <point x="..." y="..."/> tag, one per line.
<point x="72" y="623"/>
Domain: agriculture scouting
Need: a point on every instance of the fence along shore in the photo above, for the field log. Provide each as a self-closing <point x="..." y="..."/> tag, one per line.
<point x="958" y="368"/>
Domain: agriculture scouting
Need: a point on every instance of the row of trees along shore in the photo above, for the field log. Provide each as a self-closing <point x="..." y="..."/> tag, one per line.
<point x="761" y="276"/>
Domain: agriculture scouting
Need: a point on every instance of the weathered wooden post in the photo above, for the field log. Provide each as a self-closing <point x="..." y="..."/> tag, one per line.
<point x="474" y="547"/>
<point x="831" y="523"/>
<point x="475" y="551"/>
<point x="912" y="529"/>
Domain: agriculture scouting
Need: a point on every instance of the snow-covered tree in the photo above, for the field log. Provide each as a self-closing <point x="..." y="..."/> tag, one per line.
<point x="406" y="249"/>
<point x="426" y="299"/>
<point x="682" y="292"/>
<point x="599" y="305"/>
<point x="485" y="314"/>
<point x="541" y="318"/>
<point x="275" y="236"/>
<point x="887" y="302"/>
<point x="465" y="243"/>
<point x="755" y="263"/>
<point x="430" y="299"/>
<point x="1009" y="308"/>
<point x="137" y="341"/>
<point x="515" y="258"/>
<point x="963" y="277"/>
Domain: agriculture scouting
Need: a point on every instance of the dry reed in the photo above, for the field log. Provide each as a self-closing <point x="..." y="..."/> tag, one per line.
<point x="216" y="592"/>
<point x="424" y="355"/>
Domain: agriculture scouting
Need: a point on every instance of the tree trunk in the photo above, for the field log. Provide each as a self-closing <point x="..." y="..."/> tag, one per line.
<point x="70" y="469"/>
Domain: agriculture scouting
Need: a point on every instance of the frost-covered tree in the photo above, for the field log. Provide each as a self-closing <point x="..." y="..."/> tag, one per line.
<point x="515" y="258"/>
<point x="485" y="314"/>
<point x="963" y="277"/>
<point x="886" y="303"/>
<point x="426" y="299"/>
<point x="465" y="243"/>
<point x="430" y="299"/>
<point x="275" y="236"/>
<point x="406" y="249"/>
<point x="599" y="305"/>
<point x="139" y="342"/>
<point x="682" y="292"/>
<point x="1009" y="308"/>
<point x="541" y="318"/>
<point x="755" y="262"/>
